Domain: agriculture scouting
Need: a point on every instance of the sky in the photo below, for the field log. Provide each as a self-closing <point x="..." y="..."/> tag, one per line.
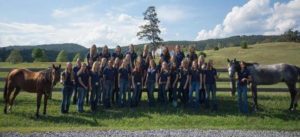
<point x="116" y="22"/>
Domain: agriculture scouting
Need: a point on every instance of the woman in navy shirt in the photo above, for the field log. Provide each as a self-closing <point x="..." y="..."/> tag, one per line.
<point x="101" y="70"/>
<point x="163" y="82"/>
<point x="210" y="80"/>
<point x="123" y="82"/>
<point x="117" y="53"/>
<point x="173" y="84"/>
<point x="95" y="79"/>
<point x="67" y="79"/>
<point x="132" y="54"/>
<point x="165" y="55"/>
<point x="192" y="56"/>
<point x="75" y="70"/>
<point x="243" y="79"/>
<point x="93" y="55"/>
<point x="151" y="79"/>
<point x="105" y="53"/>
<point x="195" y="82"/>
<point x="179" y="55"/>
<point x="137" y="82"/>
<point x="184" y="81"/>
<point x="84" y="81"/>
<point x="115" y="94"/>
<point x="109" y="79"/>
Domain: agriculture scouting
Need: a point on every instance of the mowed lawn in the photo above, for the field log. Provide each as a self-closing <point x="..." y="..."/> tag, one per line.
<point x="273" y="115"/>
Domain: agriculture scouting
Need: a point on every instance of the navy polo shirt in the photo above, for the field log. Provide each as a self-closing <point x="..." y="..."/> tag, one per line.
<point x="192" y="56"/>
<point x="109" y="74"/>
<point x="75" y="70"/>
<point x="164" y="76"/>
<point x="84" y="78"/>
<point x="165" y="58"/>
<point x="243" y="74"/>
<point x="137" y="75"/>
<point x="95" y="79"/>
<point x="174" y="74"/>
<point x="133" y="56"/>
<point x="151" y="74"/>
<point x="179" y="57"/>
<point x="183" y="75"/>
<point x="210" y="76"/>
<point x="117" y="55"/>
<point x="106" y="55"/>
<point x="68" y="81"/>
<point x="93" y="58"/>
<point x="195" y="75"/>
<point x="123" y="73"/>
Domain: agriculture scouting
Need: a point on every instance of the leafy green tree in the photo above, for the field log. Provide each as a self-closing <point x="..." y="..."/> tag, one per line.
<point x="244" y="45"/>
<point x="62" y="56"/>
<point x="14" y="57"/>
<point x="202" y="53"/>
<point x="150" y="31"/>
<point x="77" y="56"/>
<point x="39" y="55"/>
<point x="291" y="35"/>
<point x="216" y="48"/>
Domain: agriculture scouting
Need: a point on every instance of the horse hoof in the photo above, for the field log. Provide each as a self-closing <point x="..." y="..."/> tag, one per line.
<point x="37" y="115"/>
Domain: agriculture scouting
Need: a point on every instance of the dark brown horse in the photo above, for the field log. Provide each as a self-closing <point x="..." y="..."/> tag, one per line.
<point x="41" y="82"/>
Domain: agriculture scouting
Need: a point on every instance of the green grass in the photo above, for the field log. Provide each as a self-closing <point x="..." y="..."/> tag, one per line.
<point x="273" y="116"/>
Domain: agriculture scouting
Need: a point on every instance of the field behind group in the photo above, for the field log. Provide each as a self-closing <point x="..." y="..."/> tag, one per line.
<point x="273" y="113"/>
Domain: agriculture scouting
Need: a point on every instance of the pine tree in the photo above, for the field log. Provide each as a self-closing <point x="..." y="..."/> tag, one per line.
<point x="62" y="57"/>
<point x="38" y="55"/>
<point x="14" y="57"/>
<point x="150" y="31"/>
<point x="77" y="56"/>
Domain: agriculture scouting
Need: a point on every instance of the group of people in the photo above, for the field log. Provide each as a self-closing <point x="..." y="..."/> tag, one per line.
<point x="118" y="79"/>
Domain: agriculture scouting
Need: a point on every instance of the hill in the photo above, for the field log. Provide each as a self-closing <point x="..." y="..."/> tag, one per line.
<point x="265" y="53"/>
<point x="69" y="47"/>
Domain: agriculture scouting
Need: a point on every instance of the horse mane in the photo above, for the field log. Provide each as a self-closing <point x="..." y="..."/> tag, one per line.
<point x="46" y="75"/>
<point x="251" y="63"/>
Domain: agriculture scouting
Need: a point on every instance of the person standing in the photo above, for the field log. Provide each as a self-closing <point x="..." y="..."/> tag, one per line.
<point x="192" y="56"/>
<point x="195" y="82"/>
<point x="243" y="78"/>
<point x="105" y="53"/>
<point x="123" y="83"/>
<point x="95" y="91"/>
<point x="163" y="82"/>
<point x="184" y="82"/>
<point x="109" y="79"/>
<point x="115" y="94"/>
<point x="67" y="79"/>
<point x="179" y="55"/>
<point x="173" y="84"/>
<point x="117" y="53"/>
<point x="131" y="52"/>
<point x="137" y="79"/>
<point x="84" y="81"/>
<point x="75" y="70"/>
<point x="92" y="55"/>
<point x="151" y="79"/>
<point x="210" y="81"/>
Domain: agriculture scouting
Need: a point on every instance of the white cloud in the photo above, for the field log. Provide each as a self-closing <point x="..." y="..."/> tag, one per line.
<point x="256" y="17"/>
<point x="62" y="13"/>
<point x="111" y="29"/>
<point x="171" y="13"/>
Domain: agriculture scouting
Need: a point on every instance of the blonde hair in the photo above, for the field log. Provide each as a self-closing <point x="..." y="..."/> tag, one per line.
<point x="93" y="51"/>
<point x="95" y="66"/>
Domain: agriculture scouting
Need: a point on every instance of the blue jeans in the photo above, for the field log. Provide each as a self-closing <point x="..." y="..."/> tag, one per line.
<point x="81" y="94"/>
<point x="67" y="93"/>
<point x="150" y="88"/>
<point x="136" y="94"/>
<point x="162" y="94"/>
<point x="211" y="95"/>
<point x="242" y="98"/>
<point x="94" y="97"/>
<point x="174" y="95"/>
<point x="109" y="85"/>
<point x="101" y="92"/>
<point x="195" y="86"/>
<point x="123" y="90"/>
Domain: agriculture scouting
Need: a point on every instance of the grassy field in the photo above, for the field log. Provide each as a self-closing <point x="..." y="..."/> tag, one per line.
<point x="272" y="116"/>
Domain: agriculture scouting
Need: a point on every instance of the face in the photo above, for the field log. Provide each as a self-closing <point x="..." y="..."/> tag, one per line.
<point x="110" y="63"/>
<point x="178" y="48"/>
<point x="69" y="66"/>
<point x="78" y="62"/>
<point x="194" y="65"/>
<point x="131" y="48"/>
<point x="118" y="49"/>
<point x="232" y="67"/>
<point x="83" y="66"/>
<point x="164" y="65"/>
<point x="56" y="73"/>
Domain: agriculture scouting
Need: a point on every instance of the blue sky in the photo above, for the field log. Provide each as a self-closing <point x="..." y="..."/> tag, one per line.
<point x="115" y="22"/>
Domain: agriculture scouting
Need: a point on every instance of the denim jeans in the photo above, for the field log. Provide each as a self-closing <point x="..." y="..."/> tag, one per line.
<point x="195" y="86"/>
<point x="101" y="92"/>
<point x="94" y="97"/>
<point x="162" y="94"/>
<point x="81" y="95"/>
<point x="211" y="99"/>
<point x="122" y="94"/>
<point x="67" y="93"/>
<point x="174" y="95"/>
<point x="108" y="84"/>
<point x="242" y="98"/>
<point x="150" y="88"/>
<point x="136" y="94"/>
<point x="183" y="94"/>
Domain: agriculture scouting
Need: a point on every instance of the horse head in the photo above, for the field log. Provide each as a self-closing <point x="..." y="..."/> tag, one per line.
<point x="55" y="72"/>
<point x="233" y="66"/>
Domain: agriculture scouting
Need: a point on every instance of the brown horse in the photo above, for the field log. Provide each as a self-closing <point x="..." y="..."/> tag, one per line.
<point x="41" y="82"/>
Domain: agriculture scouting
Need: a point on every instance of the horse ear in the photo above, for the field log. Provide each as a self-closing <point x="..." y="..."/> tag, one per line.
<point x="59" y="66"/>
<point x="234" y="60"/>
<point x="228" y="60"/>
<point x="53" y="66"/>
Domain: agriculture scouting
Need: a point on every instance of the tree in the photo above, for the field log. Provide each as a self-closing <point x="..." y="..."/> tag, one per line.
<point x="291" y="35"/>
<point x="62" y="57"/>
<point x="150" y="31"/>
<point x="39" y="55"/>
<point x="244" y="45"/>
<point x="14" y="57"/>
<point x="77" y="56"/>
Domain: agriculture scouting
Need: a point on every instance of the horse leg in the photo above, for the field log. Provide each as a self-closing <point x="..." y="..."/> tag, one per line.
<point x="38" y="104"/>
<point x="7" y="97"/>
<point x="45" y="104"/>
<point x="292" y="89"/>
<point x="16" y="92"/>
<point x="254" y="96"/>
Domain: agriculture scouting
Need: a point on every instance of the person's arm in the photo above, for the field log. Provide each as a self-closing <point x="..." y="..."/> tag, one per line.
<point x="62" y="78"/>
<point x="186" y="82"/>
<point x="175" y="81"/>
<point x="90" y="82"/>
<point x="204" y="80"/>
<point x="146" y="79"/>
<point x="168" y="83"/>
<point x="132" y="80"/>
<point x="119" y="78"/>
<point x="200" y="77"/>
